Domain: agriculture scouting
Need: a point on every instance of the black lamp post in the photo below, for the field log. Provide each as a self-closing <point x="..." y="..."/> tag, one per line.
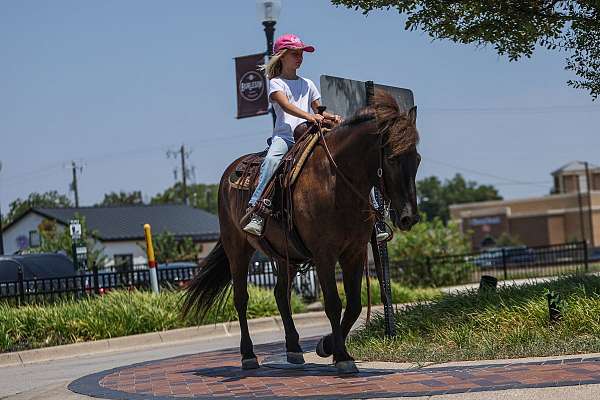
<point x="270" y="33"/>
<point x="268" y="12"/>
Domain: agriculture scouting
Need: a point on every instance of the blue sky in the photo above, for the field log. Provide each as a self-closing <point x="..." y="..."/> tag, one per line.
<point x="114" y="85"/>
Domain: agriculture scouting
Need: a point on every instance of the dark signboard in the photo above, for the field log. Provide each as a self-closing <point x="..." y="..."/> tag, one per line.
<point x="251" y="86"/>
<point x="346" y="96"/>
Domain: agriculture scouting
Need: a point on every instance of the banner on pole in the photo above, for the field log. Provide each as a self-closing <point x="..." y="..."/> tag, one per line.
<point x="251" y="86"/>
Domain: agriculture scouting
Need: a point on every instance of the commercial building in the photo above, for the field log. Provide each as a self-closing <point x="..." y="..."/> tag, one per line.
<point x="570" y="212"/>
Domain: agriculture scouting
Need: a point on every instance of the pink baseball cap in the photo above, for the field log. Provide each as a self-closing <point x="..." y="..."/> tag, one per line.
<point x="290" y="41"/>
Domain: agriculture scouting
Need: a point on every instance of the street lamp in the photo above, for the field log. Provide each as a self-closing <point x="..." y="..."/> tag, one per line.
<point x="268" y="12"/>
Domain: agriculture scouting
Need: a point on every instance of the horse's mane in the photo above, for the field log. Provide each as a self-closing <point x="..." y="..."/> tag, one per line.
<point x="401" y="135"/>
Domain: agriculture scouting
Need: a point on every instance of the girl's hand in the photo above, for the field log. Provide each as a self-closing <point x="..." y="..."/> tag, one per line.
<point x="315" y="118"/>
<point x="333" y="117"/>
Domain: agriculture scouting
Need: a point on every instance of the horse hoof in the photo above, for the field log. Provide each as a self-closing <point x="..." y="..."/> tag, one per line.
<point x="295" y="358"/>
<point x="250" y="363"/>
<point x="321" y="349"/>
<point x="346" y="367"/>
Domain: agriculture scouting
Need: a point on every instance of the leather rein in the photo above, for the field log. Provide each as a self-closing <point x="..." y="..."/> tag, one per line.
<point x="381" y="183"/>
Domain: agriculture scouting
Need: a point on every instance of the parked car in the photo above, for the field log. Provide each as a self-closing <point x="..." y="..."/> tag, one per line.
<point x="594" y="255"/>
<point x="497" y="256"/>
<point x="40" y="272"/>
<point x="177" y="272"/>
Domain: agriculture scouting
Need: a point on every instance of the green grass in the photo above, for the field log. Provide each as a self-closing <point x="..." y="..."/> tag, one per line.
<point x="121" y="313"/>
<point x="118" y="313"/>
<point x="509" y="323"/>
<point x="400" y="294"/>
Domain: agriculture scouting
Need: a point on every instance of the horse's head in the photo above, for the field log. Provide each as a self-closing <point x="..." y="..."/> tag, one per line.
<point x="399" y="158"/>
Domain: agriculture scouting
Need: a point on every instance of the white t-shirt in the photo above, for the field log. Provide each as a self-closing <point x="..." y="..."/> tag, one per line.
<point x="300" y="92"/>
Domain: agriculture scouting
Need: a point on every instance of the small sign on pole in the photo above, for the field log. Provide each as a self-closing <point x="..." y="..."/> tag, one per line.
<point x="75" y="229"/>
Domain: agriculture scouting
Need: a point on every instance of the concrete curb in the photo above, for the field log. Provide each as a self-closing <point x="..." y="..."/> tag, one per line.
<point x="204" y="332"/>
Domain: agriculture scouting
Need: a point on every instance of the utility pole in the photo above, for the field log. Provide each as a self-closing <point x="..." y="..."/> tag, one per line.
<point x="182" y="154"/>
<point x="74" y="183"/>
<point x="183" y="175"/>
<point x="589" y="196"/>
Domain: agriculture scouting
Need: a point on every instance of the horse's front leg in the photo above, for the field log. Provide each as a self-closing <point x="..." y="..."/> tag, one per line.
<point x="333" y="309"/>
<point x="352" y="268"/>
<point x="282" y="296"/>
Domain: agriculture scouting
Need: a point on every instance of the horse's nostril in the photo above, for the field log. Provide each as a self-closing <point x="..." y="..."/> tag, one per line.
<point x="416" y="219"/>
<point x="405" y="221"/>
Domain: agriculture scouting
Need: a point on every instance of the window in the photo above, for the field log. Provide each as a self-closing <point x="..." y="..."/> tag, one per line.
<point x="34" y="239"/>
<point x="123" y="262"/>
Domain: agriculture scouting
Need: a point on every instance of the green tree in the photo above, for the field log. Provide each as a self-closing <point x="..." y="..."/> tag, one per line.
<point x="122" y="198"/>
<point x="168" y="248"/>
<point x="435" y="197"/>
<point x="202" y="196"/>
<point x="420" y="253"/>
<point x="55" y="239"/>
<point x="48" y="199"/>
<point x="514" y="28"/>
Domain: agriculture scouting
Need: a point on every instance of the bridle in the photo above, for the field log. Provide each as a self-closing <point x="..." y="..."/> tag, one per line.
<point x="381" y="181"/>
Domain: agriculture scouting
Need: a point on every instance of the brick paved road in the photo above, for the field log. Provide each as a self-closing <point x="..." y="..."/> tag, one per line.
<point x="218" y="375"/>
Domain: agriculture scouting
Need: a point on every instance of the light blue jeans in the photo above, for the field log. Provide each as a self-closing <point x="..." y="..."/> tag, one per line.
<point x="277" y="150"/>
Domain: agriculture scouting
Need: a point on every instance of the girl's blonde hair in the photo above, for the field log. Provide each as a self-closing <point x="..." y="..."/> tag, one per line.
<point x="274" y="66"/>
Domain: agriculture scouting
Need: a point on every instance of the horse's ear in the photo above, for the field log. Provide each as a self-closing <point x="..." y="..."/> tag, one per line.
<point x="412" y="115"/>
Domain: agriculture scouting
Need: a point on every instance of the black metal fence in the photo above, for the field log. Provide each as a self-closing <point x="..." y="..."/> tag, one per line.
<point x="502" y="263"/>
<point x="25" y="291"/>
<point x="508" y="263"/>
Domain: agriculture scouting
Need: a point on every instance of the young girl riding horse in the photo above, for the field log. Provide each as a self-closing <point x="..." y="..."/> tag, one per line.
<point x="293" y="98"/>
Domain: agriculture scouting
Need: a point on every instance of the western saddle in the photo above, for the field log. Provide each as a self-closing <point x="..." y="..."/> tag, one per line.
<point x="276" y="204"/>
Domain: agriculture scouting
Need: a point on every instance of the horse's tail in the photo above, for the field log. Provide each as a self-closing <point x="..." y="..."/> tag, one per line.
<point x="209" y="287"/>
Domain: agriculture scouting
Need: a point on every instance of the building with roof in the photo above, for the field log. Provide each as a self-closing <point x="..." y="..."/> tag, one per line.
<point x="570" y="212"/>
<point x="118" y="229"/>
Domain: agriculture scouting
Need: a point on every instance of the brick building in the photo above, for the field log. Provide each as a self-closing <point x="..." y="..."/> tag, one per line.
<point x="562" y="216"/>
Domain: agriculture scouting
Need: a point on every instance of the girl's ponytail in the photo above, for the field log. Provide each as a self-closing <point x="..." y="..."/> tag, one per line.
<point x="273" y="67"/>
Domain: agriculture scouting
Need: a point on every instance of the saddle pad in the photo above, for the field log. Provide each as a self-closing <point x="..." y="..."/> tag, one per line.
<point x="246" y="170"/>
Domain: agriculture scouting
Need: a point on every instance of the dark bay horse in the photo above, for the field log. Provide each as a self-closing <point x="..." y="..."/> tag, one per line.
<point x="375" y="148"/>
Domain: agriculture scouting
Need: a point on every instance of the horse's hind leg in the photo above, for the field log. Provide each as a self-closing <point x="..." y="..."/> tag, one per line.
<point x="282" y="296"/>
<point x="239" y="258"/>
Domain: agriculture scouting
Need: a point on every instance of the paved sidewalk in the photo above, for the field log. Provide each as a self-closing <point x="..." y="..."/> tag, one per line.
<point x="217" y="374"/>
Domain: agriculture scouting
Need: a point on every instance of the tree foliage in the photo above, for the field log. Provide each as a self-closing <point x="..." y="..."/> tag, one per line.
<point x="48" y="199"/>
<point x="122" y="198"/>
<point x="513" y="27"/>
<point x="168" y="248"/>
<point x="435" y="197"/>
<point x="202" y="196"/>
<point x="417" y="252"/>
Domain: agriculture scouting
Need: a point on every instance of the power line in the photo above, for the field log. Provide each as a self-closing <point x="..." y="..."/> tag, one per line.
<point x="472" y="171"/>
<point x="516" y="109"/>
<point x="50" y="169"/>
